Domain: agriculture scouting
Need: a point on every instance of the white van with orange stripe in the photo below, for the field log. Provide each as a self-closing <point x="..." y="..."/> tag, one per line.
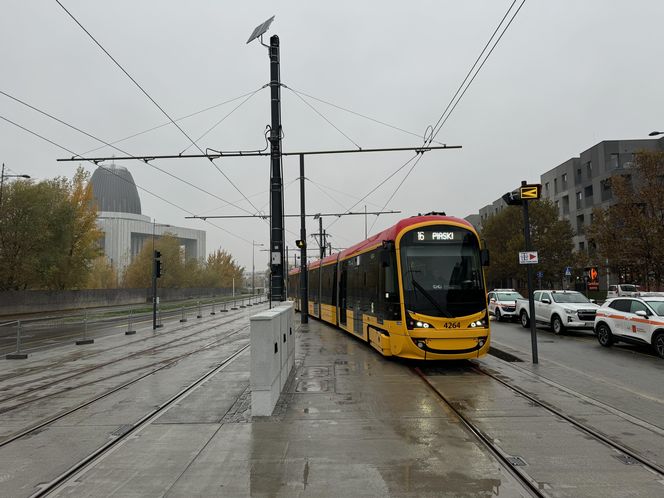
<point x="638" y="320"/>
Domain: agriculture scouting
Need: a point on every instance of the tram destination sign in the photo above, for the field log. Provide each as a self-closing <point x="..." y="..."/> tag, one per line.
<point x="436" y="236"/>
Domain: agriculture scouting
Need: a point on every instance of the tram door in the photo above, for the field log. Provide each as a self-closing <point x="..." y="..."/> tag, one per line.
<point x="343" y="279"/>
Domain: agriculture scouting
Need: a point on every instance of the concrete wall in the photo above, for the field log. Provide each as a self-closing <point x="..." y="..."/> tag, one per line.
<point x="19" y="302"/>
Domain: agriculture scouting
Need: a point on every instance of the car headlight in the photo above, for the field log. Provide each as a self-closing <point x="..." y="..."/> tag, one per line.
<point x="570" y="312"/>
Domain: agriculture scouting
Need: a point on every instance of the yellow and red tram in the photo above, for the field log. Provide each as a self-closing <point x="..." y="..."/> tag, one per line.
<point x="415" y="290"/>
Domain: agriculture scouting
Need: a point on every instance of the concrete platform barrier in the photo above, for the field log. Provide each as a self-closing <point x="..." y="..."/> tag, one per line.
<point x="272" y="356"/>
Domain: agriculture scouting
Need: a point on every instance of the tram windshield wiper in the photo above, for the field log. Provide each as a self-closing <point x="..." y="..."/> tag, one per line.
<point x="430" y="298"/>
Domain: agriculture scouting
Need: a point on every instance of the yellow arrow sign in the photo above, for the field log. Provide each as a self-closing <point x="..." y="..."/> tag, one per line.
<point x="530" y="192"/>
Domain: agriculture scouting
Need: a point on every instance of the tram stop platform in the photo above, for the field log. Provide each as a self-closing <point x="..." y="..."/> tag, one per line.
<point x="353" y="423"/>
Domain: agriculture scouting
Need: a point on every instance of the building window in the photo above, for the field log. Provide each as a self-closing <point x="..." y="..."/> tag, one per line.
<point x="555" y="185"/>
<point x="566" y="204"/>
<point x="606" y="189"/>
<point x="579" y="224"/>
<point x="582" y="246"/>
<point x="589" y="169"/>
<point x="557" y="203"/>
<point x="564" y="181"/>
<point x="578" y="176"/>
<point x="588" y="194"/>
<point x="546" y="187"/>
<point x="614" y="162"/>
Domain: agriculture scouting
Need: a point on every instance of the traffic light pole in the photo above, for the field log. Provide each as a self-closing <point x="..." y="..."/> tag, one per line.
<point x="154" y="291"/>
<point x="529" y="269"/>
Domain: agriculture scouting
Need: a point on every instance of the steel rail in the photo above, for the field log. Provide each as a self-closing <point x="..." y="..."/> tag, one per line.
<point x="65" y="413"/>
<point x="69" y="389"/>
<point x="650" y="465"/>
<point x="68" y="375"/>
<point x="529" y="484"/>
<point x="145" y="420"/>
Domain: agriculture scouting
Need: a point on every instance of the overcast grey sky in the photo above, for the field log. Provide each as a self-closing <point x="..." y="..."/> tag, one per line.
<point x="566" y="75"/>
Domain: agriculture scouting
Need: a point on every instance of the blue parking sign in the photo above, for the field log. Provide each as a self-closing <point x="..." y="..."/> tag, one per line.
<point x="568" y="271"/>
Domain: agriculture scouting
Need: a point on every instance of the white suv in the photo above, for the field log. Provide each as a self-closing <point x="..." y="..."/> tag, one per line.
<point x="637" y="320"/>
<point x="502" y="303"/>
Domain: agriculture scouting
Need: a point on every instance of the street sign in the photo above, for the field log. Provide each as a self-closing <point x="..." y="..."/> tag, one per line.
<point x="528" y="258"/>
<point x="568" y="271"/>
<point x="540" y="274"/>
<point x="530" y="192"/>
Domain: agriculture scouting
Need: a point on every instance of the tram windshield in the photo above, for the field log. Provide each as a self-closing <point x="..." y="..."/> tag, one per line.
<point x="442" y="273"/>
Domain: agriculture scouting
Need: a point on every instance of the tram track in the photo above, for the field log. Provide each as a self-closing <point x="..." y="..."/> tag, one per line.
<point x="55" y="483"/>
<point x="160" y="365"/>
<point x="620" y="451"/>
<point x="636" y="457"/>
<point x="529" y="484"/>
<point x="56" y="380"/>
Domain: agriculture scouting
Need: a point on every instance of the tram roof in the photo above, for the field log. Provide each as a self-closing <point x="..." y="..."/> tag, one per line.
<point x="387" y="234"/>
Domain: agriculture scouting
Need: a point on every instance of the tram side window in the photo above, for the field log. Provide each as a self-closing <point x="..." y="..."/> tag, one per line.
<point x="327" y="290"/>
<point x="370" y="269"/>
<point x="389" y="290"/>
<point x="354" y="292"/>
<point x="313" y="284"/>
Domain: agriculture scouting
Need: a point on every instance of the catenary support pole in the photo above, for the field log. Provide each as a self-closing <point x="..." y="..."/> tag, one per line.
<point x="276" y="181"/>
<point x="304" y="279"/>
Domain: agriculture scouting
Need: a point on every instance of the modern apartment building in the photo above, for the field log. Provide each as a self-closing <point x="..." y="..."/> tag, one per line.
<point x="582" y="183"/>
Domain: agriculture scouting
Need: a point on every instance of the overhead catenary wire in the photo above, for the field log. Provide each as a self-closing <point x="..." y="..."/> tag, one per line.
<point x="322" y="187"/>
<point x="224" y="118"/>
<point x="345" y="109"/>
<point x="110" y="170"/>
<point x="182" y="118"/>
<point x="79" y="130"/>
<point x="439" y="124"/>
<point x="380" y="184"/>
<point x="322" y="116"/>
<point x="463" y="87"/>
<point x="153" y="101"/>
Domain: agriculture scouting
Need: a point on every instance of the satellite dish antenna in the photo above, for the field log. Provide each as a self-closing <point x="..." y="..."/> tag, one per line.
<point x="260" y="30"/>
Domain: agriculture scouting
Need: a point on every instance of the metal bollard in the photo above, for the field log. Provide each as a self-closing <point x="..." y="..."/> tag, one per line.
<point x="184" y="316"/>
<point x="17" y="355"/>
<point x="130" y="329"/>
<point x="234" y="306"/>
<point x="213" y="312"/>
<point x="224" y="310"/>
<point x="200" y="311"/>
<point x="85" y="339"/>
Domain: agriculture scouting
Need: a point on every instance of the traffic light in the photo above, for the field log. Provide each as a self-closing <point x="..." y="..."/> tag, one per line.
<point x="513" y="198"/>
<point x="157" y="264"/>
<point x="300" y="243"/>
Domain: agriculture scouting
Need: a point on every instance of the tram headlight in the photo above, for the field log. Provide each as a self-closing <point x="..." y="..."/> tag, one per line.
<point x="412" y="323"/>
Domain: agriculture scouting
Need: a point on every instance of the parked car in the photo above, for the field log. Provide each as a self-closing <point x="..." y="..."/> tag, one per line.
<point x="560" y="309"/>
<point x="638" y="320"/>
<point x="621" y="290"/>
<point x="502" y="303"/>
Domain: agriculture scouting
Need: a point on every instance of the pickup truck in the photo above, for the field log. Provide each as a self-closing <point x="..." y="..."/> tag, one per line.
<point x="560" y="309"/>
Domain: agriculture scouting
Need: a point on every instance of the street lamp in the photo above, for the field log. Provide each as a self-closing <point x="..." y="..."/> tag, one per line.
<point x="3" y="176"/>
<point x="253" y="268"/>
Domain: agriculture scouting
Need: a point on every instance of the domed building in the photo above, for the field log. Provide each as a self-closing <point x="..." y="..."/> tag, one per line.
<point x="125" y="228"/>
